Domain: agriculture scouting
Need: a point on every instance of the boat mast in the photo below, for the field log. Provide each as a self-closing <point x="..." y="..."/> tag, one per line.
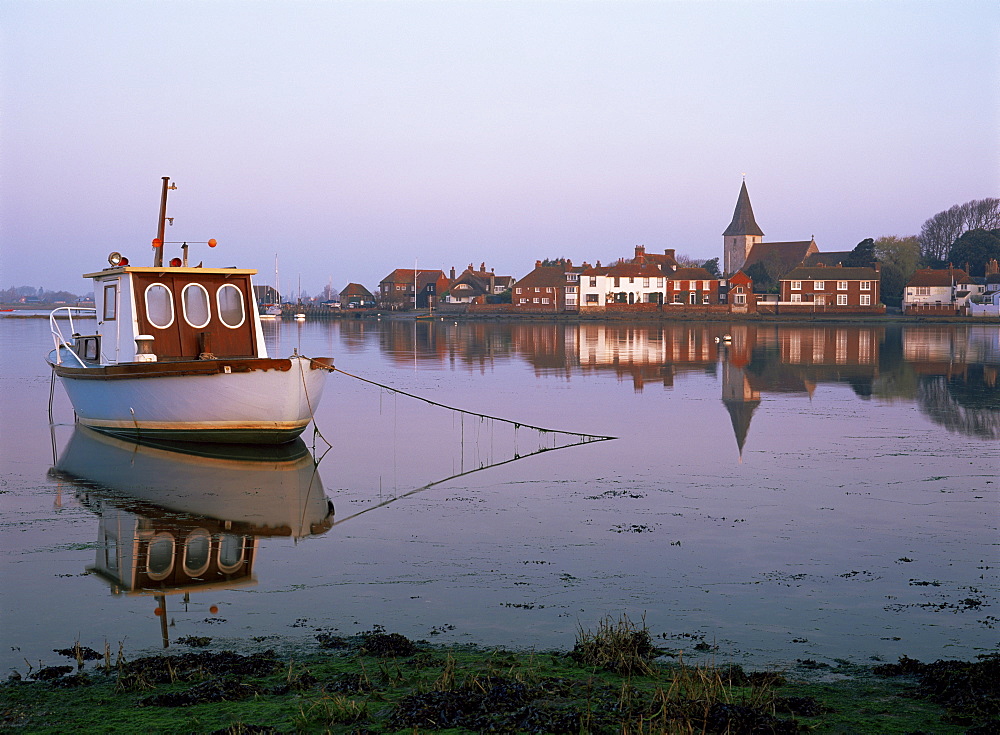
<point x="158" y="243"/>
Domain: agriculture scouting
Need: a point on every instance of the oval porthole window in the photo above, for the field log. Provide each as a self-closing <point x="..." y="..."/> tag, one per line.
<point x="230" y="303"/>
<point x="194" y="297"/>
<point x="160" y="561"/>
<point x="159" y="306"/>
<point x="230" y="553"/>
<point x="197" y="548"/>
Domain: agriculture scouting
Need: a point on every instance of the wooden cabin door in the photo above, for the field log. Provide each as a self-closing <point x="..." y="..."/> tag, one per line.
<point x="189" y="314"/>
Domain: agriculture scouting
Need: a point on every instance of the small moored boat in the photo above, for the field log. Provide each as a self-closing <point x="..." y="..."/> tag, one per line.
<point x="178" y="353"/>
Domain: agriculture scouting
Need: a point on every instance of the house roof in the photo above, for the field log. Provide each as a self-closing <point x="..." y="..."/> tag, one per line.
<point x="665" y="260"/>
<point x="832" y="258"/>
<point x="827" y="273"/>
<point x="743" y="222"/>
<point x="354" y="289"/>
<point x="740" y="277"/>
<point x="406" y="275"/>
<point x="479" y="282"/>
<point x="939" y="277"/>
<point x="691" y="274"/>
<point x="545" y="275"/>
<point x="633" y="269"/>
<point x="788" y="254"/>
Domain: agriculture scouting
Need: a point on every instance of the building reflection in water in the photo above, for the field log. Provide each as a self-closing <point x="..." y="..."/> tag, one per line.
<point x="949" y="371"/>
<point x="182" y="518"/>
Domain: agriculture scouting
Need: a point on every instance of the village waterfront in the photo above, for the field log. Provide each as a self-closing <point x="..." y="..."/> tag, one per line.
<point x="812" y="492"/>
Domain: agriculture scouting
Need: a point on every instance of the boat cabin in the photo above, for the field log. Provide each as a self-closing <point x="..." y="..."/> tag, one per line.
<point x="172" y="313"/>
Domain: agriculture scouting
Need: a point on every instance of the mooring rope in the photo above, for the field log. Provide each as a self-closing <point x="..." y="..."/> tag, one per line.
<point x="429" y="485"/>
<point x="515" y="424"/>
<point x="305" y="390"/>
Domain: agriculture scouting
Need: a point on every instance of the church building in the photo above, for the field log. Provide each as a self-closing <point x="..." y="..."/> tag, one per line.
<point x="743" y="243"/>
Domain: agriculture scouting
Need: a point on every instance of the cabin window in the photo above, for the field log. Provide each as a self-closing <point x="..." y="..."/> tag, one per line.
<point x="197" y="550"/>
<point x="842" y="299"/>
<point x="160" y="559"/>
<point x="159" y="306"/>
<point x="194" y="297"/>
<point x="230" y="552"/>
<point x="110" y="301"/>
<point x="866" y="300"/>
<point x="230" y="303"/>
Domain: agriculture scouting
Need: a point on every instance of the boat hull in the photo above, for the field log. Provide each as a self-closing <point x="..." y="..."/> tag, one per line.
<point x="240" y="401"/>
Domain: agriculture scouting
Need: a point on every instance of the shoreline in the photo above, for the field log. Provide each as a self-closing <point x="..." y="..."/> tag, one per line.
<point x="646" y="317"/>
<point x="613" y="680"/>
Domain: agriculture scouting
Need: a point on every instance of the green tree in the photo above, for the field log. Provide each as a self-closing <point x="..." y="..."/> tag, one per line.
<point x="899" y="258"/>
<point x="975" y="248"/>
<point x="712" y="266"/>
<point x="863" y="254"/>
<point x="765" y="274"/>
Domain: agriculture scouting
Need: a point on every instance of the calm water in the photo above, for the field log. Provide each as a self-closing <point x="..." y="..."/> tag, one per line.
<point x="803" y="492"/>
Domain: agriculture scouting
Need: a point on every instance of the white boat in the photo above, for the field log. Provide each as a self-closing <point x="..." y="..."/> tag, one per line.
<point x="178" y="353"/>
<point x="270" y="311"/>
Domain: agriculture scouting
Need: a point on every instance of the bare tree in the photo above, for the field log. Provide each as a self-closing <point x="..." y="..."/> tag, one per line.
<point x="982" y="214"/>
<point x="939" y="232"/>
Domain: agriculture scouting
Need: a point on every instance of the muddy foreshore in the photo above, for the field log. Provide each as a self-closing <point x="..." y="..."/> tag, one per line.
<point x="614" y="680"/>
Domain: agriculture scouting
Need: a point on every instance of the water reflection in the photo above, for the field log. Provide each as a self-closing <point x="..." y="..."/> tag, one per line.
<point x="184" y="518"/>
<point x="950" y="373"/>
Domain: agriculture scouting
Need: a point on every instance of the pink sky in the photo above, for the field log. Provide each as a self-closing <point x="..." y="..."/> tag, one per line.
<point x="352" y="138"/>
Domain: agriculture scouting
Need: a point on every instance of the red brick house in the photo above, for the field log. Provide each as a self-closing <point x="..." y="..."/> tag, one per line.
<point x="836" y="289"/>
<point x="738" y="293"/>
<point x="408" y="288"/>
<point x="356" y="296"/>
<point x="692" y="286"/>
<point x="548" y="288"/>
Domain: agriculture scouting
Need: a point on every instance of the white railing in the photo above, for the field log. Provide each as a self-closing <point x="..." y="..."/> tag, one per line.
<point x="57" y="336"/>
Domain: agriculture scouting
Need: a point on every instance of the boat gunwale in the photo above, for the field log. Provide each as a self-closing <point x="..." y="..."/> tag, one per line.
<point x="177" y="368"/>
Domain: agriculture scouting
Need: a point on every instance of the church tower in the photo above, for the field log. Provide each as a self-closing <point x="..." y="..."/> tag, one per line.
<point x="741" y="235"/>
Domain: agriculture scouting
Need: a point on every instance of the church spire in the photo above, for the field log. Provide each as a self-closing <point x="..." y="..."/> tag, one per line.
<point x="743" y="222"/>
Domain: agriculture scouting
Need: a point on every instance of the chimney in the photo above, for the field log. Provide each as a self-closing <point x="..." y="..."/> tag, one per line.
<point x="640" y="253"/>
<point x="669" y="252"/>
<point x="482" y="266"/>
<point x="452" y="276"/>
<point x="569" y="263"/>
<point x="538" y="264"/>
<point x="598" y="264"/>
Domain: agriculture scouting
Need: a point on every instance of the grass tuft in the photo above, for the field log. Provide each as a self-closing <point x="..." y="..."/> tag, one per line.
<point x="621" y="647"/>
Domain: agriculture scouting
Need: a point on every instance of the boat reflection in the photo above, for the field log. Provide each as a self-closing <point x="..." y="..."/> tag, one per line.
<point x="183" y="518"/>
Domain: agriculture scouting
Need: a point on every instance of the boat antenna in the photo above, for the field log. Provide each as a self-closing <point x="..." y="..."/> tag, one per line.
<point x="158" y="242"/>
